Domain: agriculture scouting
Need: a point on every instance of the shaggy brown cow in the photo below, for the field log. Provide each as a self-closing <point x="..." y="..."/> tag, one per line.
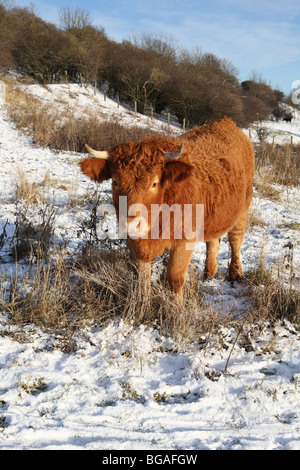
<point x="211" y="165"/>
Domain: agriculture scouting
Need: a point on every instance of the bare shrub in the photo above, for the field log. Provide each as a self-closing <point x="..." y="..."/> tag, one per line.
<point x="3" y="236"/>
<point x="262" y="132"/>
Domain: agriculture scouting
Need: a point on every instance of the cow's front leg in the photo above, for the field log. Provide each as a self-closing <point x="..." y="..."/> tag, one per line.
<point x="143" y="267"/>
<point x="144" y="272"/>
<point x="179" y="260"/>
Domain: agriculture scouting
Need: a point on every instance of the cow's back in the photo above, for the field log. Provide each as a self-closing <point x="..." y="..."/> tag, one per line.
<point x="223" y="159"/>
<point x="219" y="145"/>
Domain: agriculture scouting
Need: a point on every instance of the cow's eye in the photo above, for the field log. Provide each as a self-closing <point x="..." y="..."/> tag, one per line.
<point x="154" y="185"/>
<point x="115" y="183"/>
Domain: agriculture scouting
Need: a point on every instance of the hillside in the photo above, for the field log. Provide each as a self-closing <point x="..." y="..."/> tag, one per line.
<point x="112" y="385"/>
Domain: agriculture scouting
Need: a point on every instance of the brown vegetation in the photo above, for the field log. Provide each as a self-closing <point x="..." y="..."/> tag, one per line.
<point x="62" y="132"/>
<point x="278" y="164"/>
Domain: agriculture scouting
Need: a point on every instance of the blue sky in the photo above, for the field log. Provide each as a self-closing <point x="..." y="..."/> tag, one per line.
<point x="261" y="36"/>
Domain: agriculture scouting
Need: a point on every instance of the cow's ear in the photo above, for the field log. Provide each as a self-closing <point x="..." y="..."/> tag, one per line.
<point x="96" y="169"/>
<point x="175" y="172"/>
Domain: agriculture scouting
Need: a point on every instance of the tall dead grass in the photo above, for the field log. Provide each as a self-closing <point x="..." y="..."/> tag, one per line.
<point x="34" y="219"/>
<point x="274" y="301"/>
<point x="275" y="296"/>
<point x="60" y="131"/>
<point x="277" y="164"/>
<point x="64" y="294"/>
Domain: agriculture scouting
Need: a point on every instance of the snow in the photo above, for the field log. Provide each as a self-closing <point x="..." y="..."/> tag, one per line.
<point x="126" y="388"/>
<point x="82" y="102"/>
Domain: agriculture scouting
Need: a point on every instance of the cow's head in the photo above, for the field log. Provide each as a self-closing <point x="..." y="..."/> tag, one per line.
<point x="142" y="172"/>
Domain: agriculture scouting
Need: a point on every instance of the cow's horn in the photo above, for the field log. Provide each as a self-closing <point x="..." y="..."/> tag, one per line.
<point x="95" y="153"/>
<point x="173" y="155"/>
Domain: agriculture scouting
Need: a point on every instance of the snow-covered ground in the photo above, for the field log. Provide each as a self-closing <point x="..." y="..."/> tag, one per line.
<point x="124" y="388"/>
<point x="82" y="101"/>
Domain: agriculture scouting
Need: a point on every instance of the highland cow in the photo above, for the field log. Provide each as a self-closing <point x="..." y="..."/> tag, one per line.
<point x="212" y="166"/>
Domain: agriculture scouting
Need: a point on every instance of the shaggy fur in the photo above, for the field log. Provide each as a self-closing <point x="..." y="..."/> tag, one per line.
<point x="216" y="169"/>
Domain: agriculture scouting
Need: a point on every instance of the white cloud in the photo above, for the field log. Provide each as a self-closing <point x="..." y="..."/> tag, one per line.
<point x="258" y="43"/>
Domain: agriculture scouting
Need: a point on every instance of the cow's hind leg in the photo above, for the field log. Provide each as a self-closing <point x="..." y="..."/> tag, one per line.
<point x="212" y="250"/>
<point x="235" y="238"/>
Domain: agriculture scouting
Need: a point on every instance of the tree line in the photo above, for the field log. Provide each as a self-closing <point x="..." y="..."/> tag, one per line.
<point x="197" y="87"/>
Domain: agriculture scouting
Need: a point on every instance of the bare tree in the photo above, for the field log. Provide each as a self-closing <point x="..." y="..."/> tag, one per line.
<point x="70" y="19"/>
<point x="5" y="38"/>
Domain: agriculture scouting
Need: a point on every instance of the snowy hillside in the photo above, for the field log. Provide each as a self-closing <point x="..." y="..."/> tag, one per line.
<point x="126" y="388"/>
<point x="82" y="101"/>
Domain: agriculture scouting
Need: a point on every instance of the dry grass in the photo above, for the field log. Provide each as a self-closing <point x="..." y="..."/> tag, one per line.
<point x="26" y="190"/>
<point x="275" y="296"/>
<point x="277" y="164"/>
<point x="65" y="294"/>
<point x="253" y="220"/>
<point x="61" y="131"/>
<point x="34" y="222"/>
<point x="274" y="301"/>
<point x="267" y="191"/>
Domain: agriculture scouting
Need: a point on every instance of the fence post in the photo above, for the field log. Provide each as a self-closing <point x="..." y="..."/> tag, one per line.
<point x="169" y="119"/>
<point x="183" y="124"/>
<point x="118" y="100"/>
<point x="66" y="76"/>
<point x="104" y="94"/>
<point x="95" y="88"/>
